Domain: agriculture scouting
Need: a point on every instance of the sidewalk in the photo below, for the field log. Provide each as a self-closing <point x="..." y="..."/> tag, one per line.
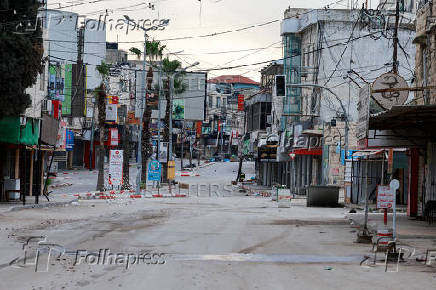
<point x="55" y="200"/>
<point x="411" y="232"/>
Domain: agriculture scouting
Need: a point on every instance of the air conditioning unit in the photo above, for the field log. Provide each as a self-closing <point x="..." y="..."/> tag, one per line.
<point x="12" y="186"/>
<point x="46" y="106"/>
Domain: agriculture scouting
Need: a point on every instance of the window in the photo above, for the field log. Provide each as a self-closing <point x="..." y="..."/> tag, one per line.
<point x="193" y="84"/>
<point x="210" y="101"/>
<point x="202" y="83"/>
<point x="218" y="102"/>
<point x="186" y="84"/>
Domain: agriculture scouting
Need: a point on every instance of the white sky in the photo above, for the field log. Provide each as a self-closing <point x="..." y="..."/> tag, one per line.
<point x="216" y="16"/>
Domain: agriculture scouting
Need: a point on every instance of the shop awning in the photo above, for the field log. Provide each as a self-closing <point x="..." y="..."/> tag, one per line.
<point x="304" y="151"/>
<point x="364" y="154"/>
<point x="13" y="131"/>
<point x="404" y="117"/>
<point x="313" y="132"/>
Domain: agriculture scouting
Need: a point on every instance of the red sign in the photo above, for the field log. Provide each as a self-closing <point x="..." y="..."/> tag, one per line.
<point x="198" y="127"/>
<point x="57" y="109"/>
<point x="113" y="138"/>
<point x="240" y="103"/>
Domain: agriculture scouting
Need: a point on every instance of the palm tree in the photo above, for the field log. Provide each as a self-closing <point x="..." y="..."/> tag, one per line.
<point x="100" y="93"/>
<point x="154" y="51"/>
<point x="169" y="68"/>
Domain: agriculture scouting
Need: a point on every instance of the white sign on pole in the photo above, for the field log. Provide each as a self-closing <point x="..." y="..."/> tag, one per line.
<point x="163" y="152"/>
<point x="116" y="167"/>
<point x="111" y="113"/>
<point x="385" y="196"/>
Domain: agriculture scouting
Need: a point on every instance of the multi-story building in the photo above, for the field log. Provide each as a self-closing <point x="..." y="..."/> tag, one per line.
<point x="263" y="111"/>
<point x="329" y="54"/>
<point x="225" y="118"/>
<point x="411" y="126"/>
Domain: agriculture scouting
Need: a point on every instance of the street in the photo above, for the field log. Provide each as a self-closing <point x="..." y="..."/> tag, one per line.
<point x="218" y="242"/>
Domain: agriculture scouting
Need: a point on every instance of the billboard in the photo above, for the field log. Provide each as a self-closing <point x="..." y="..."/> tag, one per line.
<point x="60" y="85"/>
<point x="193" y="97"/>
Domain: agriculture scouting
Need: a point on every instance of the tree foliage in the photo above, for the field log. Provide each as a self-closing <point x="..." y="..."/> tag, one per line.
<point x="136" y="52"/>
<point x="21" y="52"/>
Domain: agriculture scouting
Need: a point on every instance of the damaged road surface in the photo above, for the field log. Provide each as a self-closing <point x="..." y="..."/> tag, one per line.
<point x="192" y="243"/>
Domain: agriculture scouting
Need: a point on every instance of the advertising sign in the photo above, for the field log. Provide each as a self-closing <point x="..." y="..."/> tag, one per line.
<point x="111" y="113"/>
<point x="114" y="139"/>
<point x="240" y="103"/>
<point x="163" y="152"/>
<point x="60" y="85"/>
<point x="178" y="109"/>
<point x="154" y="171"/>
<point x="116" y="167"/>
<point x="388" y="99"/>
<point x="385" y="196"/>
<point x="69" y="140"/>
<point x="62" y="136"/>
<point x="363" y="108"/>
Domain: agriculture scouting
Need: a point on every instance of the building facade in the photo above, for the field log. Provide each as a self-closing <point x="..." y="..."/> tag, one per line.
<point x="326" y="63"/>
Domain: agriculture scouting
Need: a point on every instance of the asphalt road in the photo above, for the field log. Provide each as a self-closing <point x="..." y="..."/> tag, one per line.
<point x="232" y="242"/>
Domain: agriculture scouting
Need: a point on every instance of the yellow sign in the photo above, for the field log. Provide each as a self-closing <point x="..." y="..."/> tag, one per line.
<point x="171" y="170"/>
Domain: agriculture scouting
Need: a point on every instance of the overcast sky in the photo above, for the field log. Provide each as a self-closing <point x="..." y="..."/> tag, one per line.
<point x="195" y="18"/>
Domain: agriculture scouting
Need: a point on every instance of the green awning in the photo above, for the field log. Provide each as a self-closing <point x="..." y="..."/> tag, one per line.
<point x="12" y="132"/>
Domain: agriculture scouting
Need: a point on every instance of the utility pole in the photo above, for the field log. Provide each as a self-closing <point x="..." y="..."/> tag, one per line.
<point x="182" y="137"/>
<point x="170" y="125"/>
<point x="395" y="39"/>
<point x="159" y="114"/>
<point x="91" y="146"/>
<point x="141" y="121"/>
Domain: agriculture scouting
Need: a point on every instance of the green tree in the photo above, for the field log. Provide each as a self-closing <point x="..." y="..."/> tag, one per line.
<point x="154" y="54"/>
<point x="21" y="52"/>
<point x="101" y="96"/>
<point x="169" y="68"/>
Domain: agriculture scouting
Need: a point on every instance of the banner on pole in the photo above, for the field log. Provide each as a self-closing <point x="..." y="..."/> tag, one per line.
<point x="154" y="170"/>
<point x="116" y="167"/>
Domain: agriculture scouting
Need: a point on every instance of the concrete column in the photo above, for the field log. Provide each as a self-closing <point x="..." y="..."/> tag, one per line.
<point x="31" y="173"/>
<point x="265" y="169"/>
<point x="42" y="170"/>
<point x="17" y="163"/>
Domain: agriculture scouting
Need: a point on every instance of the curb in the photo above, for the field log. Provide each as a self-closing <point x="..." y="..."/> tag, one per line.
<point x="126" y="194"/>
<point x="44" y="205"/>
